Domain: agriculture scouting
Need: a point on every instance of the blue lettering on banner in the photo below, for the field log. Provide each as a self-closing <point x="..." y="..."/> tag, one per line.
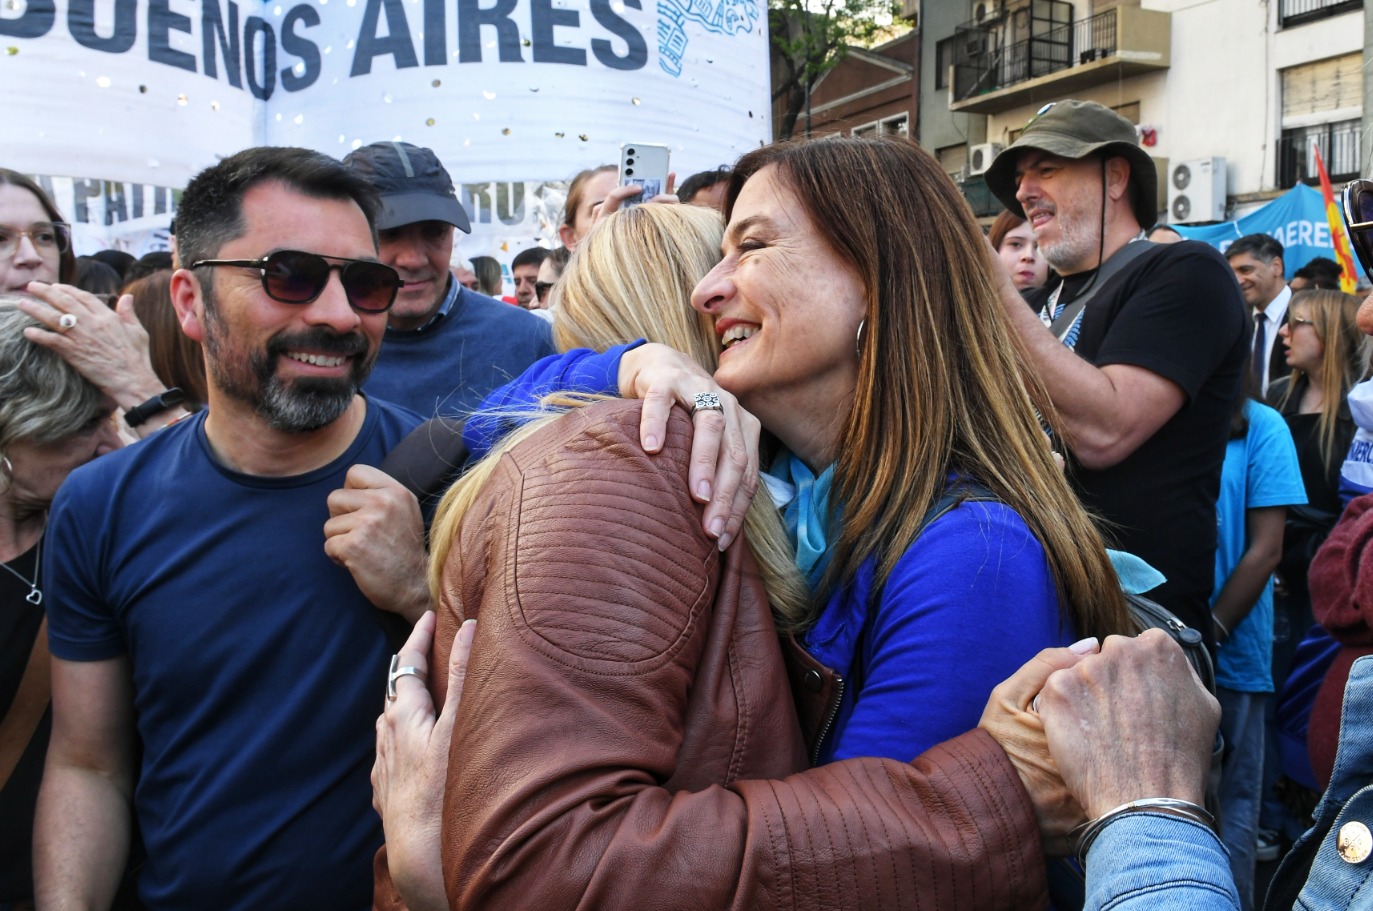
<point x="244" y="50"/>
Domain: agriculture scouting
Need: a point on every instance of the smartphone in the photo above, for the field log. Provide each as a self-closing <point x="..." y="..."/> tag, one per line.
<point x="643" y="164"/>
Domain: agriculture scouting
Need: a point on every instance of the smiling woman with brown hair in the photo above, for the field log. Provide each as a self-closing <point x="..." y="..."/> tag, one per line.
<point x="620" y="741"/>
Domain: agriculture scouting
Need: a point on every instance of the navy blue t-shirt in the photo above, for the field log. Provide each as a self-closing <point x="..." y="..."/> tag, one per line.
<point x="258" y="666"/>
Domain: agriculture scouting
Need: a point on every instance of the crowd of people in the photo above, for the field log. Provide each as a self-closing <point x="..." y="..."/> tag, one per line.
<point x="755" y="553"/>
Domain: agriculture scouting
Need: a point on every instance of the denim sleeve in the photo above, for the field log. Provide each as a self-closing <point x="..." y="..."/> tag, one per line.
<point x="1147" y="861"/>
<point x="578" y="370"/>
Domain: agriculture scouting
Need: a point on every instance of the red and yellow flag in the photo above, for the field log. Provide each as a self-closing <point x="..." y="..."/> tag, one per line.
<point x="1343" y="255"/>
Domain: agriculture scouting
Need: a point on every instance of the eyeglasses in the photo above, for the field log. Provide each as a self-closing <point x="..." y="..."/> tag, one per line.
<point x="1298" y="321"/>
<point x="294" y="277"/>
<point x="46" y="237"/>
<point x="541" y="290"/>
<point x="1358" y="221"/>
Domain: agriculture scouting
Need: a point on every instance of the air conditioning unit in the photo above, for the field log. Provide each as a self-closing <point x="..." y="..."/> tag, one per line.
<point x="987" y="10"/>
<point x="981" y="156"/>
<point x="1196" y="190"/>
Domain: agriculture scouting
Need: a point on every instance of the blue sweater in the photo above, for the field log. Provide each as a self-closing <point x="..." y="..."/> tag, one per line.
<point x="447" y="367"/>
<point x="967" y="604"/>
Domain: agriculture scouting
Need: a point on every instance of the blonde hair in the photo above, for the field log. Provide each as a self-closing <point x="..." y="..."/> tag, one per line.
<point x="1343" y="362"/>
<point x="631" y="278"/>
<point x="943" y="386"/>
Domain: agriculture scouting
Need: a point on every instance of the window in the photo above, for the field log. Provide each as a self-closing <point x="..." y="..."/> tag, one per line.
<point x="943" y="59"/>
<point x="888" y="126"/>
<point x="1322" y="106"/>
<point x="1326" y="85"/>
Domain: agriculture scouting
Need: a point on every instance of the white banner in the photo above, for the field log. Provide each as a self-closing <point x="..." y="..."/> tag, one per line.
<point x="115" y="104"/>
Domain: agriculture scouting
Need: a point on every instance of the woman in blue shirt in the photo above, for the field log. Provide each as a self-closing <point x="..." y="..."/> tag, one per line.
<point x="864" y="334"/>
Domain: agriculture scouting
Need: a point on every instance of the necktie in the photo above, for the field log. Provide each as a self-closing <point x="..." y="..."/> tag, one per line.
<point x="1260" y="349"/>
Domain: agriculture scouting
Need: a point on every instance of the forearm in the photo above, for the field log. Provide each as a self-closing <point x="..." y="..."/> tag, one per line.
<point x="81" y="838"/>
<point x="1143" y="862"/>
<point x="1264" y="533"/>
<point x="954" y="827"/>
<point x="1086" y="401"/>
<point x="580" y="370"/>
<point x="1242" y="590"/>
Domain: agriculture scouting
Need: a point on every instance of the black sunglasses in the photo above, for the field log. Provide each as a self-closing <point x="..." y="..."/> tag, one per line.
<point x="541" y="289"/>
<point x="295" y="277"/>
<point x="1358" y="221"/>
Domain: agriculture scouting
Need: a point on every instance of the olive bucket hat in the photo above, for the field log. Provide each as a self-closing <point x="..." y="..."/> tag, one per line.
<point x="1076" y="129"/>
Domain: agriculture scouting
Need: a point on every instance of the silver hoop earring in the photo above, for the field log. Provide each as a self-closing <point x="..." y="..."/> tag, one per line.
<point x="858" y="342"/>
<point x="9" y="474"/>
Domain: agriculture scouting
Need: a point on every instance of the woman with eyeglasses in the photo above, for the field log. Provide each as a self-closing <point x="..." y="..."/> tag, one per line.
<point x="1328" y="356"/>
<point x="107" y="347"/>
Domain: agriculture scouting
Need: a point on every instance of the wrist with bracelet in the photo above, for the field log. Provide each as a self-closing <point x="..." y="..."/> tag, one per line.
<point x="1087" y="833"/>
<point x="163" y="401"/>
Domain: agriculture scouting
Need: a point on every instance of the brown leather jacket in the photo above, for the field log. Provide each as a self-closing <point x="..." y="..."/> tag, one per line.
<point x="628" y="736"/>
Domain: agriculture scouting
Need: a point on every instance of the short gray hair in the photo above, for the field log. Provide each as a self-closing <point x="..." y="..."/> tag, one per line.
<point x="42" y="397"/>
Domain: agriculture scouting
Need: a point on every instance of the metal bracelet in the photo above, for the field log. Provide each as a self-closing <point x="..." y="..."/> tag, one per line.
<point x="1088" y="831"/>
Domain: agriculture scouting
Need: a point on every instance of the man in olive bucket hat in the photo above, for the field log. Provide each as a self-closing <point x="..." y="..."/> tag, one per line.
<point x="1141" y="348"/>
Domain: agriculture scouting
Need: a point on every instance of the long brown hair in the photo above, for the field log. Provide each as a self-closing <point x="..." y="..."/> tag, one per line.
<point x="942" y="385"/>
<point x="1343" y="363"/>
<point x="66" y="263"/>
<point x="176" y="358"/>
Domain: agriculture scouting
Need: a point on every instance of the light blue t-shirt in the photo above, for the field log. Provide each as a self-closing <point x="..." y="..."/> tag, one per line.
<point x="1260" y="470"/>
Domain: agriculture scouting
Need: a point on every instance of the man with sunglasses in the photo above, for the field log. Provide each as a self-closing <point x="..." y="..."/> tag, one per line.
<point x="446" y="346"/>
<point x="205" y="646"/>
<point x="1140" y="348"/>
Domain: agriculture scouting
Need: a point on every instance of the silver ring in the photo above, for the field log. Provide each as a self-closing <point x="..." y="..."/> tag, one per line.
<point x="398" y="672"/>
<point x="706" y="401"/>
<point x="1034" y="705"/>
<point x="67" y="322"/>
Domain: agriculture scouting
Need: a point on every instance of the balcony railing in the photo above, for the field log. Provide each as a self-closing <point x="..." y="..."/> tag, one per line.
<point x="991" y="68"/>
<point x="1339" y="145"/>
<point x="1053" y="56"/>
<point x="1295" y="12"/>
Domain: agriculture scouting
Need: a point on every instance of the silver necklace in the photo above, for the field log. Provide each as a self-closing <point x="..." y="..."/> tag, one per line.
<point x="35" y="595"/>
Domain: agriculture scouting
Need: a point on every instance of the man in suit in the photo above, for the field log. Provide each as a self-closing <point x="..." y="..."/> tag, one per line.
<point x="1257" y="261"/>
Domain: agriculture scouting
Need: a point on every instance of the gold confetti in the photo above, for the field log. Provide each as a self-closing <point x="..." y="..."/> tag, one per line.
<point x="436" y="83"/>
<point x="583" y="137"/>
<point x="634" y="101"/>
<point x="560" y="134"/>
<point x="11" y="50"/>
<point x="182" y="99"/>
<point x="505" y="132"/>
<point x="429" y="122"/>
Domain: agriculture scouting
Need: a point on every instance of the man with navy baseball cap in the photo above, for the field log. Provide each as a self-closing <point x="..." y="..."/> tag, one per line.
<point x="446" y="346"/>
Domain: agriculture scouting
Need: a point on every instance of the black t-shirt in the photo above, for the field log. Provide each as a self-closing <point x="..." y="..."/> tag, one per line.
<point x="1175" y="311"/>
<point x="19" y="622"/>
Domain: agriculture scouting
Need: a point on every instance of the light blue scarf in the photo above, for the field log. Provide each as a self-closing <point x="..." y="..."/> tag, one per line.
<point x="806" y="514"/>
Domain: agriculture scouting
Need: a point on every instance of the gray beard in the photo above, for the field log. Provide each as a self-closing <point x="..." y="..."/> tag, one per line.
<point x="298" y="407"/>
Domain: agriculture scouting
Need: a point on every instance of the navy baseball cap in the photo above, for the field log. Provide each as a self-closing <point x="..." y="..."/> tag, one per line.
<point x="413" y="185"/>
